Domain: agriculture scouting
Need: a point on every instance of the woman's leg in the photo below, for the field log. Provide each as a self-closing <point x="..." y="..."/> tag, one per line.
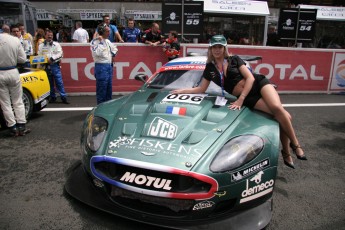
<point x="270" y="102"/>
<point x="284" y="139"/>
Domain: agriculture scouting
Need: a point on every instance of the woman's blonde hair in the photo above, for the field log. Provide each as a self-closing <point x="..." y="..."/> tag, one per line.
<point x="210" y="57"/>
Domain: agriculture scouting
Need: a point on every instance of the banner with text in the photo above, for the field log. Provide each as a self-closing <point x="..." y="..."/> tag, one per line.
<point x="192" y="24"/>
<point x="297" y="24"/>
<point x="288" y="68"/>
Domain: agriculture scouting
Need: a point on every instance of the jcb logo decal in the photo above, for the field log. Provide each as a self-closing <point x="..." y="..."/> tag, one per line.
<point x="162" y="128"/>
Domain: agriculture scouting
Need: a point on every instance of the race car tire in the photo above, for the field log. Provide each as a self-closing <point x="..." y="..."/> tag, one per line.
<point x="28" y="103"/>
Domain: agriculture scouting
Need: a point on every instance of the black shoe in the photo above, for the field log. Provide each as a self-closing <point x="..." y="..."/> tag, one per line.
<point x="64" y="100"/>
<point x="286" y="155"/>
<point x="294" y="149"/>
<point x="52" y="100"/>
<point x="22" y="130"/>
<point x="14" y="131"/>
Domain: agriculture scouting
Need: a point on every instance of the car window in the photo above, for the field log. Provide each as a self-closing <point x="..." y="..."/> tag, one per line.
<point x="178" y="79"/>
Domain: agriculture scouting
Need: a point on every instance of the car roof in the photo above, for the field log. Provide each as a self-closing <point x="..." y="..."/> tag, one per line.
<point x="192" y="60"/>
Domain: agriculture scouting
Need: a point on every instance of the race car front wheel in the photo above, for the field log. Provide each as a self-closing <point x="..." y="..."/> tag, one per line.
<point x="28" y="103"/>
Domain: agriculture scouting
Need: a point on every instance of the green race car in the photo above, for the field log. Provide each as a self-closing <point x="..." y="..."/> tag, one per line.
<point x="178" y="160"/>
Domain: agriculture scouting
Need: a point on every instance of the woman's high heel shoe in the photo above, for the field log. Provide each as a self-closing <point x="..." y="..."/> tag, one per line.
<point x="286" y="155"/>
<point x="294" y="149"/>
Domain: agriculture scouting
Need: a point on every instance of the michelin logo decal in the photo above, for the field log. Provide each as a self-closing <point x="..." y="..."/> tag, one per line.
<point x="239" y="175"/>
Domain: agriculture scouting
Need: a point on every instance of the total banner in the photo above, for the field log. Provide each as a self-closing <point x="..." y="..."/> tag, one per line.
<point x="287" y="68"/>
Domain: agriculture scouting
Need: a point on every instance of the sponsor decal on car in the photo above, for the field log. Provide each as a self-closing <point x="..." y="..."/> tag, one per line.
<point x="148" y="181"/>
<point x="203" y="205"/>
<point x="182" y="67"/>
<point x="239" y="175"/>
<point x="155" y="146"/>
<point x="162" y="128"/>
<point x="29" y="79"/>
<point x="185" y="98"/>
<point x="255" y="189"/>
<point x="220" y="193"/>
<point x="152" y="185"/>
<point x="176" y="110"/>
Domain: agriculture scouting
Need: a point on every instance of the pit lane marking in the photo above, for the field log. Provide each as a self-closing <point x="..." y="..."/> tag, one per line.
<point x="284" y="105"/>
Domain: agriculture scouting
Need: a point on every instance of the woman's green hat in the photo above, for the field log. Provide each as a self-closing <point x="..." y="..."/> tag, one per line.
<point x="218" y="40"/>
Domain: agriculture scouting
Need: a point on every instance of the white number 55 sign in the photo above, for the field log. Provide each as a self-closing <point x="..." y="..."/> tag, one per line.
<point x="185" y="98"/>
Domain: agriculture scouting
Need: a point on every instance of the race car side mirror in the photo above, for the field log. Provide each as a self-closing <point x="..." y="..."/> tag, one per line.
<point x="141" y="77"/>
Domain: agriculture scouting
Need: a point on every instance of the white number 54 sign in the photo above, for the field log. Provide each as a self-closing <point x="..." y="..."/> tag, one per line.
<point x="186" y="98"/>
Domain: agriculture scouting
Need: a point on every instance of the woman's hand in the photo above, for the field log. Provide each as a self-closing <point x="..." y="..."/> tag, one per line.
<point x="236" y="105"/>
<point x="177" y="91"/>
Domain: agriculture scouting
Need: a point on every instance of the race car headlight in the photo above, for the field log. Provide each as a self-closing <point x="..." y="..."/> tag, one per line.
<point x="95" y="132"/>
<point x="237" y="152"/>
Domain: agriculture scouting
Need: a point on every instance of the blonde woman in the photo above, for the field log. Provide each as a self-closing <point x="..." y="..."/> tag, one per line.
<point x="253" y="91"/>
<point x="39" y="39"/>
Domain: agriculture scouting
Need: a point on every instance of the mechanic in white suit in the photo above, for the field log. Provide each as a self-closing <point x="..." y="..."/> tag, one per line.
<point x="11" y="91"/>
<point x="103" y="52"/>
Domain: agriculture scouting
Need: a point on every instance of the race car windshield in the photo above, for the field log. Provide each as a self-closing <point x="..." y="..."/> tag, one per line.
<point x="179" y="79"/>
<point x="176" y="79"/>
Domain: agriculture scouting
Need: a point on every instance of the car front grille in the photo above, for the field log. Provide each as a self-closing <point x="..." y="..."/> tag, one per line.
<point x="150" y="179"/>
<point x="172" y="189"/>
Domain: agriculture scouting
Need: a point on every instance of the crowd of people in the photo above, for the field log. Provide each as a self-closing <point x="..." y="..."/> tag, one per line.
<point x="20" y="46"/>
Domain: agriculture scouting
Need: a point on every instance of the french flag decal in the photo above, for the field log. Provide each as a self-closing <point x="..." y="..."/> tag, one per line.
<point x="176" y="110"/>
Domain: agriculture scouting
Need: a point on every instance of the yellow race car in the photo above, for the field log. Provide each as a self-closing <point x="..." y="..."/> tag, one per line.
<point x="36" y="90"/>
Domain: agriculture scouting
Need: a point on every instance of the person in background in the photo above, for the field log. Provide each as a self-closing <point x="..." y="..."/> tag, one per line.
<point x="53" y="51"/>
<point x="114" y="33"/>
<point x="272" y="37"/>
<point x="26" y="35"/>
<point x="171" y="46"/>
<point x="27" y="46"/>
<point x="153" y="36"/>
<point x="131" y="33"/>
<point x="38" y="40"/>
<point x="253" y="91"/>
<point x="11" y="91"/>
<point x="103" y="53"/>
<point x="80" y="34"/>
<point x="6" y="29"/>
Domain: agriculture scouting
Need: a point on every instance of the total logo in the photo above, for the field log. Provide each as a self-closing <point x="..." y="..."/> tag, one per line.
<point x="255" y="188"/>
<point x="162" y="128"/>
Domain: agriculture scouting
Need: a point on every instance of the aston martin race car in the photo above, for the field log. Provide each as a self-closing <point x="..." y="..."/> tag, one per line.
<point x="178" y="161"/>
<point x="36" y="91"/>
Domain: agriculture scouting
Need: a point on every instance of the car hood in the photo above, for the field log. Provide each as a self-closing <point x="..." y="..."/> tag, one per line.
<point x="146" y="128"/>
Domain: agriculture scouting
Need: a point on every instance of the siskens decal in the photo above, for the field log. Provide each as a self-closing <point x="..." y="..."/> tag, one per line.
<point x="154" y="146"/>
<point x="255" y="189"/>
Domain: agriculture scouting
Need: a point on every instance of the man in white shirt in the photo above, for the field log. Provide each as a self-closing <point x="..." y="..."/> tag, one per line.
<point x="11" y="90"/>
<point x="103" y="52"/>
<point x="53" y="51"/>
<point x="80" y="35"/>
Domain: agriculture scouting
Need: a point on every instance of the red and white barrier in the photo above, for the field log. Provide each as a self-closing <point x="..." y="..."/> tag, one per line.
<point x="294" y="70"/>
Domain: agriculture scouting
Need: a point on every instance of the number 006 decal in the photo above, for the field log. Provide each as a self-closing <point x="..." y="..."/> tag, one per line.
<point x="186" y="98"/>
